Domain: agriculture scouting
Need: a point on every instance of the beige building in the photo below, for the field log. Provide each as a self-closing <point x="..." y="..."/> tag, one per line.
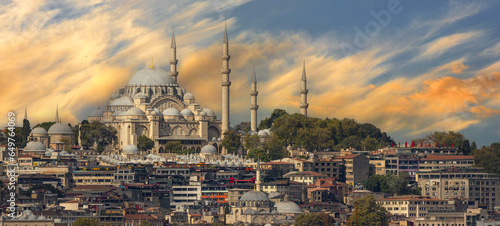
<point x="307" y="177"/>
<point x="470" y="183"/>
<point x="415" y="206"/>
<point x="299" y="164"/>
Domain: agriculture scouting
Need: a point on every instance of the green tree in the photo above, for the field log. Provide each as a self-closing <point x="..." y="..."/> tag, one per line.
<point x="252" y="142"/>
<point x="188" y="151"/>
<point x="45" y="125"/>
<point x="370" y="144"/>
<point x="144" y="143"/>
<point x="245" y="126"/>
<point x="287" y="127"/>
<point x="461" y="143"/>
<point x="98" y="135"/>
<point x="258" y="154"/>
<point x="86" y="222"/>
<point x="231" y="141"/>
<point x="368" y="212"/>
<point x="327" y="219"/>
<point x="66" y="142"/>
<point x="173" y="147"/>
<point x="26" y="130"/>
<point x="473" y="146"/>
<point x="488" y="158"/>
<point x="352" y="142"/>
<point x="376" y="183"/>
<point x="144" y="223"/>
<point x="268" y="122"/>
<point x="307" y="219"/>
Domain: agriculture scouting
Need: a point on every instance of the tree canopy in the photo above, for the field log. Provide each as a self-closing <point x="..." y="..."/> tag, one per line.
<point x="231" y="141"/>
<point x="368" y="212"/>
<point x="173" y="147"/>
<point x="144" y="143"/>
<point x="439" y="138"/>
<point x="97" y="134"/>
<point x="488" y="158"/>
<point x="144" y="223"/>
<point x="390" y="184"/>
<point x="86" y="222"/>
<point x="307" y="219"/>
<point x="245" y="126"/>
<point x="268" y="122"/>
<point x="314" y="134"/>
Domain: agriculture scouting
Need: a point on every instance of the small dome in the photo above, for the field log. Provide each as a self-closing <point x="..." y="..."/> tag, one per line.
<point x="115" y="96"/>
<point x="275" y="212"/>
<point x="188" y="96"/>
<point x="124" y="100"/>
<point x="34" y="146"/>
<point x="140" y="96"/>
<point x="39" y="130"/>
<point x="262" y="133"/>
<point x="32" y="217"/>
<point x="151" y="76"/>
<point x="241" y="132"/>
<point x="209" y="149"/>
<point x="209" y="111"/>
<point x="96" y="113"/>
<point x="187" y="112"/>
<point x="134" y="111"/>
<point x="42" y="217"/>
<point x="171" y="112"/>
<point x="23" y="217"/>
<point x="202" y="113"/>
<point x="157" y="111"/>
<point x="288" y="207"/>
<point x="130" y="149"/>
<point x="254" y="195"/>
<point x="60" y="128"/>
<point x="119" y="113"/>
<point x="273" y="195"/>
<point x="250" y="211"/>
<point x="63" y="153"/>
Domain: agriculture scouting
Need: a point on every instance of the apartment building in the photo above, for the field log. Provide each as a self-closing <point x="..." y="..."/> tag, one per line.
<point x="299" y="164"/>
<point x="437" y="162"/>
<point x="333" y="168"/>
<point x="470" y="183"/>
<point x="357" y="168"/>
<point x="307" y="177"/>
<point x="415" y="205"/>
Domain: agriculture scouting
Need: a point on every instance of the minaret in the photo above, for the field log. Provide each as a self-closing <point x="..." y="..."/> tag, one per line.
<point x="173" y="58"/>
<point x="25" y="112"/>
<point x="253" y="103"/>
<point x="225" y="82"/>
<point x="303" y="92"/>
<point x="257" y="177"/>
<point x="57" y="113"/>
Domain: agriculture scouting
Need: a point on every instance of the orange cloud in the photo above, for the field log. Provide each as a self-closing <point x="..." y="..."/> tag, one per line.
<point x="458" y="68"/>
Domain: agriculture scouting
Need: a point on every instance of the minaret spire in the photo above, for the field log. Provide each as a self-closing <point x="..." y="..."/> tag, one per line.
<point x="25" y="112"/>
<point x="257" y="176"/>
<point x="303" y="91"/>
<point x="225" y="82"/>
<point x="173" y="58"/>
<point x="57" y="113"/>
<point x="253" y="103"/>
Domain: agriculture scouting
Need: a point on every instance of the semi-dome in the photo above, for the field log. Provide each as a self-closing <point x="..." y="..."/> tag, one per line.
<point x="39" y="130"/>
<point x="208" y="149"/>
<point x="34" y="146"/>
<point x="171" y="112"/>
<point x="288" y="207"/>
<point x="60" y="128"/>
<point x="202" y="113"/>
<point x="32" y="217"/>
<point x="42" y="217"/>
<point x="124" y="100"/>
<point x="273" y="195"/>
<point x="96" y="113"/>
<point x="209" y="111"/>
<point x="134" y="111"/>
<point x="140" y="96"/>
<point x="151" y="76"/>
<point x="250" y="211"/>
<point x="187" y="112"/>
<point x="188" y="96"/>
<point x="254" y="195"/>
<point x="130" y="149"/>
<point x="63" y="153"/>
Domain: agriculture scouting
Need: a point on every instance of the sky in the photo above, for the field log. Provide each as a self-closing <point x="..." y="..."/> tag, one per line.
<point x="408" y="67"/>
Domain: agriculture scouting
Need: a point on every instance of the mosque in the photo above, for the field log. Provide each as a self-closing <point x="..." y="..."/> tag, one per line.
<point x="155" y="105"/>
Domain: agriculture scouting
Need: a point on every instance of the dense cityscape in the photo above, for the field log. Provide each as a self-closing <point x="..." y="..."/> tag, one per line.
<point x="152" y="154"/>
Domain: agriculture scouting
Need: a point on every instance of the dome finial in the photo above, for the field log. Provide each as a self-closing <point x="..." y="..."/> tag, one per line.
<point x="152" y="66"/>
<point x="57" y="113"/>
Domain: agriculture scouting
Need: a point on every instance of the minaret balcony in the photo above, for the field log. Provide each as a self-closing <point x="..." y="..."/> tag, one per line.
<point x="304" y="105"/>
<point x="226" y="83"/>
<point x="254" y="107"/>
<point x="225" y="71"/>
<point x="304" y="91"/>
<point x="254" y="93"/>
<point x="226" y="57"/>
<point x="173" y="61"/>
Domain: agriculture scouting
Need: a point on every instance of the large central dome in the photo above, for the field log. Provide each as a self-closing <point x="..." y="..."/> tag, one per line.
<point x="151" y="76"/>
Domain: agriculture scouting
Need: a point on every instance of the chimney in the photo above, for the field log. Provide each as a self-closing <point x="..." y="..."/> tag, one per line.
<point x="421" y="144"/>
<point x="412" y="144"/>
<point x="453" y="144"/>
<point x="429" y="144"/>
<point x="391" y="144"/>
<point x="406" y="144"/>
<point x="445" y="144"/>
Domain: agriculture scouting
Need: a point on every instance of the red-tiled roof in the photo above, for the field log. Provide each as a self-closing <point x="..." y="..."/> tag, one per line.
<point x="92" y="187"/>
<point x="448" y="157"/>
<point x="139" y="217"/>
<point x="72" y="201"/>
<point x="195" y="215"/>
<point x="306" y="173"/>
